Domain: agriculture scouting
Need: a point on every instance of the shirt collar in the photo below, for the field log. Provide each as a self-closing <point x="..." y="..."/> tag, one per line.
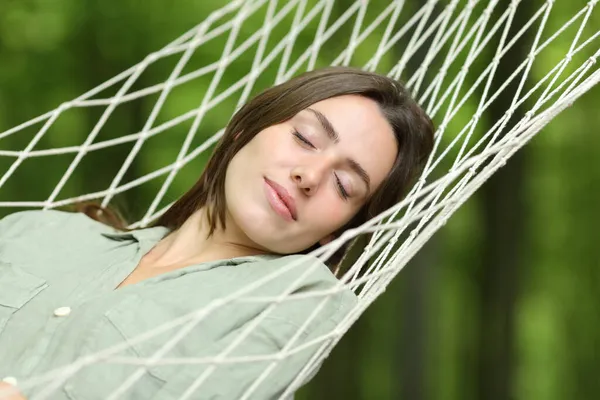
<point x="148" y="237"/>
<point x="143" y="235"/>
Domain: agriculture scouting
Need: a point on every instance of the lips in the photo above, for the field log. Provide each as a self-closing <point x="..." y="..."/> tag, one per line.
<point x="285" y="197"/>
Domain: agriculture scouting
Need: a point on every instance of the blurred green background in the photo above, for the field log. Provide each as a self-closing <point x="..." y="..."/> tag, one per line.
<point x="503" y="302"/>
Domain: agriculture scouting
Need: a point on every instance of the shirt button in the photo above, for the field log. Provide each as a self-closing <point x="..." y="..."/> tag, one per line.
<point x="62" y="311"/>
<point x="11" y="380"/>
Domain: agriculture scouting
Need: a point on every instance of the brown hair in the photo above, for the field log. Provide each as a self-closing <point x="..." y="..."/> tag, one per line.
<point x="412" y="128"/>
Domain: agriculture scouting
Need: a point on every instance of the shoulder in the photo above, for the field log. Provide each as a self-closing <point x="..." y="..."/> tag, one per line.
<point x="37" y="221"/>
<point x="308" y="283"/>
<point x="25" y="220"/>
<point x="310" y="271"/>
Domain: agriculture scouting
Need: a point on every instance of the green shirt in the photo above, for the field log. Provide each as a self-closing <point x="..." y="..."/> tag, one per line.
<point x="58" y="305"/>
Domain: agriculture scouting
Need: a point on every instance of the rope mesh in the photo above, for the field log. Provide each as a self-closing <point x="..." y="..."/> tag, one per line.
<point x="448" y="53"/>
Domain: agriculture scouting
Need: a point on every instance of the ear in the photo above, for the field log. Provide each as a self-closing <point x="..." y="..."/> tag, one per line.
<point x="236" y="136"/>
<point x="326" y="240"/>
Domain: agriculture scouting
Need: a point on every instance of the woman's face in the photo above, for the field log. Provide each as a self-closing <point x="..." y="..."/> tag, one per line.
<point x="324" y="177"/>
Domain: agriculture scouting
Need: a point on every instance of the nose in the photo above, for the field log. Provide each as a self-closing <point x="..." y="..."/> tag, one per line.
<point x="307" y="179"/>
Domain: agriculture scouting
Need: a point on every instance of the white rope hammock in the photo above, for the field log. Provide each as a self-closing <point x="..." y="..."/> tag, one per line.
<point x="445" y="40"/>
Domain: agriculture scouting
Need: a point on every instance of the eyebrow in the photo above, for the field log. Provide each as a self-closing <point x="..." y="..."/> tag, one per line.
<point x="333" y="135"/>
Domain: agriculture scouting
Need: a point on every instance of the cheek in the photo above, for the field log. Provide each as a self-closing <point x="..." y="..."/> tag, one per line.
<point x="330" y="214"/>
<point x="336" y="214"/>
<point x="260" y="151"/>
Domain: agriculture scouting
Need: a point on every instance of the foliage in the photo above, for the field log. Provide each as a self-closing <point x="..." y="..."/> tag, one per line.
<point x="52" y="51"/>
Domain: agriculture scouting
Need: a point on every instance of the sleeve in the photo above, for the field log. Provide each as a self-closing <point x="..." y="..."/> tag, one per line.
<point x="257" y="368"/>
<point x="251" y="348"/>
<point x="276" y="349"/>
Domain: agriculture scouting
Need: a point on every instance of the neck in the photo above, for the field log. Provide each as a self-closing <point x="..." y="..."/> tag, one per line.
<point x="190" y="245"/>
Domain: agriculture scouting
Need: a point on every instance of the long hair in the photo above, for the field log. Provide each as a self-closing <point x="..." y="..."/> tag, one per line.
<point x="412" y="129"/>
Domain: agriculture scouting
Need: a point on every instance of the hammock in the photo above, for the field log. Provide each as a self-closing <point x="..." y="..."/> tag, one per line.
<point x="449" y="53"/>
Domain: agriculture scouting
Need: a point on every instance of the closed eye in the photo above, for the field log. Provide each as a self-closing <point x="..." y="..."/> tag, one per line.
<point x="341" y="188"/>
<point x="301" y="138"/>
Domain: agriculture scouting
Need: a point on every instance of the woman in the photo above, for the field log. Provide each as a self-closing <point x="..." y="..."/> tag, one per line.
<point x="298" y="165"/>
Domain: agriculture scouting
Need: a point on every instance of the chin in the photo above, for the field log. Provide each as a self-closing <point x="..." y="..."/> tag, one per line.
<point x="262" y="228"/>
<point x="267" y="238"/>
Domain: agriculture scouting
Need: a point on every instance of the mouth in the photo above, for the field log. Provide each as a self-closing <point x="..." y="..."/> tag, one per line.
<point x="281" y="201"/>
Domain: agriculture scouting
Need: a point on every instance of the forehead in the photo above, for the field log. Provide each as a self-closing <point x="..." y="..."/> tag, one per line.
<point x="353" y="117"/>
<point x="364" y="133"/>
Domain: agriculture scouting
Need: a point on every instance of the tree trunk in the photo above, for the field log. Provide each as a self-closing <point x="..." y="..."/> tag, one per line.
<point x="412" y="347"/>
<point x="501" y="264"/>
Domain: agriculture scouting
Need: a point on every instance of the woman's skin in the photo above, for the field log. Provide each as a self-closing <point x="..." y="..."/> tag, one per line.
<point x="308" y="174"/>
<point x="9" y="392"/>
<point x="307" y="171"/>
